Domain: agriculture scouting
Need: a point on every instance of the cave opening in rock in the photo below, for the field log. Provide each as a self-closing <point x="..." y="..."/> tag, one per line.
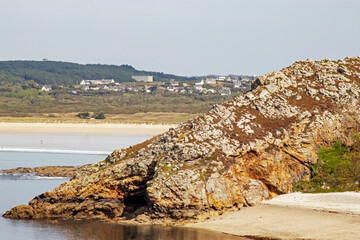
<point x="135" y="205"/>
<point x="136" y="200"/>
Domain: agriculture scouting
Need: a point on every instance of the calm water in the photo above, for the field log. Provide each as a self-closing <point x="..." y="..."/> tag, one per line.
<point x="69" y="142"/>
<point x="17" y="190"/>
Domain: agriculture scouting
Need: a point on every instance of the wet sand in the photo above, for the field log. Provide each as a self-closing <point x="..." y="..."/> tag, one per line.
<point x="82" y="128"/>
<point x="311" y="216"/>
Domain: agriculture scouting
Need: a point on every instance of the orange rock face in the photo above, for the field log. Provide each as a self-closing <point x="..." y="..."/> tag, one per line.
<point x="241" y="152"/>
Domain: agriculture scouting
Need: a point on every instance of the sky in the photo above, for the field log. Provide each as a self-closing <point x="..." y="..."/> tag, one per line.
<point x="182" y="37"/>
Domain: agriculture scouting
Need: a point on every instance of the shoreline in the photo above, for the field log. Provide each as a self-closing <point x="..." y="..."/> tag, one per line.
<point x="100" y="128"/>
<point x="293" y="216"/>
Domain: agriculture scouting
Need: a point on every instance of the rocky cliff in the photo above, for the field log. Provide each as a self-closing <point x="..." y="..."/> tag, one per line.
<point x="241" y="152"/>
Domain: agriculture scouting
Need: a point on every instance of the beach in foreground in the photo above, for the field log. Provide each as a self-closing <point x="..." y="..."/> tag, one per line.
<point x="9" y="128"/>
<point x="294" y="216"/>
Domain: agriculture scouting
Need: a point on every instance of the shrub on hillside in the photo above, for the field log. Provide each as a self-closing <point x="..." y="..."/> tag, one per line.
<point x="99" y="115"/>
<point x="337" y="170"/>
<point x="84" y="115"/>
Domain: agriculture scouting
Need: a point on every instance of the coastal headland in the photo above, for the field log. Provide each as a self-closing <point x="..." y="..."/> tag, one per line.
<point x="222" y="163"/>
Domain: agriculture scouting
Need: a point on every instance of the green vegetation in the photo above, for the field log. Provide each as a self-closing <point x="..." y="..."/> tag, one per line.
<point x="17" y="101"/>
<point x="356" y="136"/>
<point x="99" y="115"/>
<point x="201" y="176"/>
<point x="64" y="73"/>
<point x="148" y="118"/>
<point x="337" y="170"/>
<point x="84" y="115"/>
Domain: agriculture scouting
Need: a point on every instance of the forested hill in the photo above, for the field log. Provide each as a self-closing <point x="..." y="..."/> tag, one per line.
<point x="64" y="73"/>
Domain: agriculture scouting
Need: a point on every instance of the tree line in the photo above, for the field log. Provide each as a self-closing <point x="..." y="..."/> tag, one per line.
<point x="65" y="73"/>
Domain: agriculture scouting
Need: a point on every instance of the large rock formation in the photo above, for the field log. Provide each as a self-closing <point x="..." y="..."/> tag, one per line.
<point x="241" y="152"/>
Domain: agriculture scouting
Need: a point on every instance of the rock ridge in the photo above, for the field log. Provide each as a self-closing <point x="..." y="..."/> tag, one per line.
<point x="243" y="151"/>
<point x="46" y="171"/>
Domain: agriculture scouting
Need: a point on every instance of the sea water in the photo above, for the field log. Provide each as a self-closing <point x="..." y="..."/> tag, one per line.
<point x="33" y="150"/>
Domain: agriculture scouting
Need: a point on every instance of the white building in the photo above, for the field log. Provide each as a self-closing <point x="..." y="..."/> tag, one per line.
<point x="143" y="78"/>
<point x="198" y="85"/>
<point x="210" y="81"/>
<point x="46" y="88"/>
<point x="225" y="91"/>
<point x="97" y="82"/>
<point x="245" y="79"/>
<point x="174" y="84"/>
<point x="209" y="91"/>
<point x="221" y="78"/>
<point x="236" y="84"/>
<point x="200" y="82"/>
<point x="117" y="88"/>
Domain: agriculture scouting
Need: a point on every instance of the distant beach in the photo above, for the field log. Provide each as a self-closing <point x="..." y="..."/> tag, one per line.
<point x="8" y="128"/>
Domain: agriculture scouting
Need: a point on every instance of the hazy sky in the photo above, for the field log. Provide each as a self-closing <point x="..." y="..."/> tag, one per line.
<point x="184" y="37"/>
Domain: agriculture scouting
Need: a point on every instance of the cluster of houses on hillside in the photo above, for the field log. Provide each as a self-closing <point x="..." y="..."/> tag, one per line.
<point x="234" y="82"/>
<point x="207" y="85"/>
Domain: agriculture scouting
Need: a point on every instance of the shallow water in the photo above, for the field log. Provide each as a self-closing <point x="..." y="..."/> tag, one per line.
<point x="20" y="189"/>
<point x="73" y="230"/>
<point x="63" y="141"/>
<point x="38" y="159"/>
<point x="15" y="192"/>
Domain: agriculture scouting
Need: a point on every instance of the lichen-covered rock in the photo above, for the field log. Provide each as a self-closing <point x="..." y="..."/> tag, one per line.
<point x="241" y="152"/>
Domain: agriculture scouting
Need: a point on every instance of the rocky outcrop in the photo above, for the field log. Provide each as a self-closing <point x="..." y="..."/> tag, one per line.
<point x="241" y="152"/>
<point x="47" y="171"/>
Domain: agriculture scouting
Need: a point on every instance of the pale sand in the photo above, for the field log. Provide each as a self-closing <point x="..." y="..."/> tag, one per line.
<point x="7" y="128"/>
<point x="341" y="202"/>
<point x="293" y="216"/>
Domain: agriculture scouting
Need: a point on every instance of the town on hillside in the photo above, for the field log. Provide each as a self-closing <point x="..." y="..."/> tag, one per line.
<point x="223" y="85"/>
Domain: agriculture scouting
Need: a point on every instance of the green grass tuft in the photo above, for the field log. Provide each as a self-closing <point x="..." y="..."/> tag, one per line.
<point x="337" y="170"/>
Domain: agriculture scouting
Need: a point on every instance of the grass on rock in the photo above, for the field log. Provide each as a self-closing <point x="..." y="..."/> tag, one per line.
<point x="337" y="170"/>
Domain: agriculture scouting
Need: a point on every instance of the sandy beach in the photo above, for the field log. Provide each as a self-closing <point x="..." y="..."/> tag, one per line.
<point x="6" y="127"/>
<point x="327" y="216"/>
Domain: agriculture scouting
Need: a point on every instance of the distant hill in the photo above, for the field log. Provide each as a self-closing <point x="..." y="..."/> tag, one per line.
<point x="65" y="73"/>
